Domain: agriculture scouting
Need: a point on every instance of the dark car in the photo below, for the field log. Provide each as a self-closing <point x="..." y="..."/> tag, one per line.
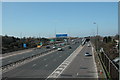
<point x="69" y="47"/>
<point x="47" y="47"/>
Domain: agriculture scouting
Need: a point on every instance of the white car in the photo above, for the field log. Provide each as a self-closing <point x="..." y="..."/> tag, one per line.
<point x="88" y="45"/>
<point x="87" y="54"/>
<point x="59" y="49"/>
<point x="53" y="47"/>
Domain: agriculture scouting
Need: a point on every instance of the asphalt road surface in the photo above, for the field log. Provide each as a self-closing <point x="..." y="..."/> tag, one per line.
<point x="41" y="67"/>
<point x="82" y="66"/>
<point x="21" y="56"/>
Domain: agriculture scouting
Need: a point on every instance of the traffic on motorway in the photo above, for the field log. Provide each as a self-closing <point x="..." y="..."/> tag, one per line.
<point x="56" y="55"/>
<point x="45" y="65"/>
<point x="83" y="66"/>
<point x="36" y="51"/>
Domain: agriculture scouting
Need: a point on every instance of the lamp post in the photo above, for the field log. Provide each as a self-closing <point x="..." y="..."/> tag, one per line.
<point x="96" y="36"/>
<point x="55" y="36"/>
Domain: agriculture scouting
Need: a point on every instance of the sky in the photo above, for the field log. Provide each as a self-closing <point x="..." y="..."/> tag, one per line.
<point x="45" y="19"/>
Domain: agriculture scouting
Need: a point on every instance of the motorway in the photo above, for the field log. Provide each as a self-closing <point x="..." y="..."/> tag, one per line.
<point x="41" y="67"/>
<point x="82" y="66"/>
<point x="14" y="58"/>
<point x="18" y="55"/>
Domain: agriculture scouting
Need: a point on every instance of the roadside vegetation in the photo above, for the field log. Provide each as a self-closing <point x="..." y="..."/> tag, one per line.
<point x="10" y="43"/>
<point x="109" y="45"/>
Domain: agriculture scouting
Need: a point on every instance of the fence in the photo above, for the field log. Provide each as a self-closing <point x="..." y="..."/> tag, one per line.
<point x="110" y="68"/>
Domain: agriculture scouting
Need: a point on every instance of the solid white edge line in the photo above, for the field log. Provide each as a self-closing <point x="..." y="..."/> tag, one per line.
<point x="63" y="62"/>
<point x="30" y="60"/>
<point x="94" y="60"/>
<point x="16" y="54"/>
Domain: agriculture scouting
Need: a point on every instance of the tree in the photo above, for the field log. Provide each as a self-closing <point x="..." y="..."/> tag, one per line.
<point x="116" y="37"/>
<point x="105" y="39"/>
<point x="109" y="39"/>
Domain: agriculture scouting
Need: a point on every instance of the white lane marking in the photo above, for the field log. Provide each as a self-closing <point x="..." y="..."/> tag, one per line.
<point x="45" y="59"/>
<point x="94" y="61"/>
<point x="57" y="72"/>
<point x="9" y="61"/>
<point x="60" y="56"/>
<point x="18" y="53"/>
<point x="65" y="63"/>
<point x="46" y="65"/>
<point x="60" y="68"/>
<point x="10" y="68"/>
<point x="33" y="65"/>
<point x="77" y="74"/>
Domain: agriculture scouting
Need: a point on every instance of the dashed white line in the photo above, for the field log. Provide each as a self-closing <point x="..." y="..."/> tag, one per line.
<point x="33" y="65"/>
<point x="14" y="66"/>
<point x="54" y="60"/>
<point x="9" y="61"/>
<point x="55" y="73"/>
<point x="77" y="74"/>
<point x="46" y="65"/>
<point x="45" y="59"/>
<point x="18" y="53"/>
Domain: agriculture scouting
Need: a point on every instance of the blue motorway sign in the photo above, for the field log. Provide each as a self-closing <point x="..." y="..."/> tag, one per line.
<point x="24" y="45"/>
<point x="61" y="35"/>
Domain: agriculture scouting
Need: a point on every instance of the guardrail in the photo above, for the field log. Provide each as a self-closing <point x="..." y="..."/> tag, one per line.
<point x="111" y="71"/>
<point x="110" y="67"/>
<point x="22" y="61"/>
<point x="16" y="63"/>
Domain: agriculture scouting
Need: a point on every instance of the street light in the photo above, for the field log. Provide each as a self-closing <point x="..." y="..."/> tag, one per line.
<point x="96" y="35"/>
<point x="55" y="35"/>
